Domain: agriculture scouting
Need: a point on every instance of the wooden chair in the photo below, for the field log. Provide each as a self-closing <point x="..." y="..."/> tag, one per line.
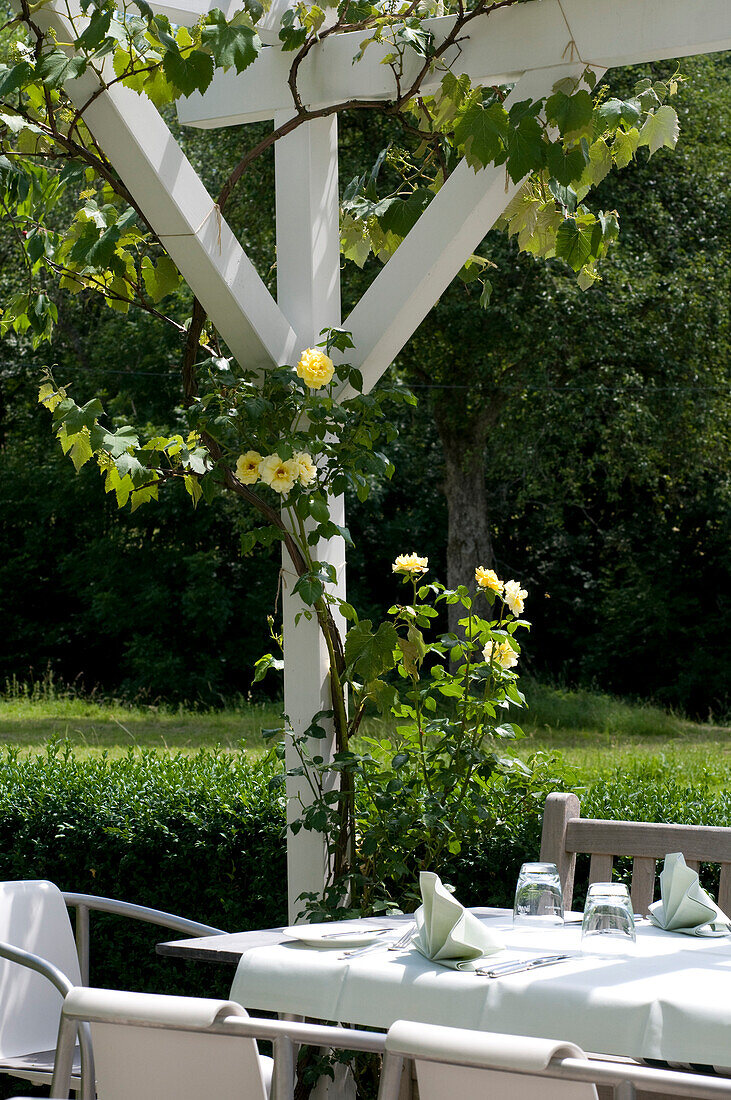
<point x="566" y="833"/>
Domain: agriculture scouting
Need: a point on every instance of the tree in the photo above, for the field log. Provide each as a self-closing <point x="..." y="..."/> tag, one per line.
<point x="590" y="397"/>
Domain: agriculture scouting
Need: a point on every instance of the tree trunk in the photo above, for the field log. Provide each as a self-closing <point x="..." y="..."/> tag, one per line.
<point x="469" y="542"/>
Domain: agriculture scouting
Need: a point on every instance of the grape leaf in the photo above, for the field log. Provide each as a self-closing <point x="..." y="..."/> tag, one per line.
<point x="482" y="131"/>
<point x="161" y="279"/>
<point x="76" y="446"/>
<point x="96" y="30"/>
<point x="625" y="146"/>
<point x="614" y="111"/>
<point x="572" y="114"/>
<point x="573" y="243"/>
<point x="75" y="418"/>
<point x="565" y="165"/>
<point x="12" y="79"/>
<point x="599" y="166"/>
<point x="189" y="74"/>
<point x="402" y="214"/>
<point x="238" y="46"/>
<point x="526" y="149"/>
<point x="55" y="67"/>
<point x="661" y="129"/>
<point x="369" y="655"/>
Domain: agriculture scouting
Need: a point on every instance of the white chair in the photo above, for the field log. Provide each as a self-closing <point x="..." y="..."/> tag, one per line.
<point x="40" y="963"/>
<point x="153" y="1047"/>
<point x="456" y="1064"/>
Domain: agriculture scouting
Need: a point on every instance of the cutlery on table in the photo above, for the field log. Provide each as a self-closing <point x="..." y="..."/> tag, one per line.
<point x="403" y="941"/>
<point x="355" y="932"/>
<point x="502" y="969"/>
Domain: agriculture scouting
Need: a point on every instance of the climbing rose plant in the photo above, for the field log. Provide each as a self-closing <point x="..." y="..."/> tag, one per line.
<point x="417" y="793"/>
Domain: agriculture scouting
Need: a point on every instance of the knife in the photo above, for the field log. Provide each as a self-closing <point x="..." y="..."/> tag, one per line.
<point x="521" y="964"/>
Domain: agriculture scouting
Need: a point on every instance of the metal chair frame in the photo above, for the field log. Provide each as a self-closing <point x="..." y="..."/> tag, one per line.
<point x="84" y="904"/>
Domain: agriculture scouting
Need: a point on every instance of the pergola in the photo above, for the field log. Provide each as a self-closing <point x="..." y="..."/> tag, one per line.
<point x="530" y="46"/>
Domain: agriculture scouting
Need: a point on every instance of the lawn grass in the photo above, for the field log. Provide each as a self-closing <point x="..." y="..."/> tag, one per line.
<point x="592" y="732"/>
<point x="29" y="718"/>
<point x="598" y="734"/>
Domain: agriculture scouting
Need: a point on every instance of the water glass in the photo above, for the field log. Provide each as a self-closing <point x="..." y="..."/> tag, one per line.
<point x="538" y="897"/>
<point x="608" y="927"/>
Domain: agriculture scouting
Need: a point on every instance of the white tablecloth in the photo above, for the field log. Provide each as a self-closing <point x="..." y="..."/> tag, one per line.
<point x="670" y="1000"/>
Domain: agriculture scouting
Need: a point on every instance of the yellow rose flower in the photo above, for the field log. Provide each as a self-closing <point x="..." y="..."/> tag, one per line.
<point x="247" y="467"/>
<point x="307" y="468"/>
<point x="410" y="563"/>
<point x="500" y="653"/>
<point x="514" y="597"/>
<point x="315" y="368"/>
<point x="488" y="578"/>
<point x="278" y="473"/>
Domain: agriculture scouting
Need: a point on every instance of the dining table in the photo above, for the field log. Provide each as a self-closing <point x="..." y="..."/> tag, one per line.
<point x="667" y="997"/>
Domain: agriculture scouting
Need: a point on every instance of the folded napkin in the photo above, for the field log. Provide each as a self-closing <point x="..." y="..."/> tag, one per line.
<point x="685" y="906"/>
<point x="446" y="932"/>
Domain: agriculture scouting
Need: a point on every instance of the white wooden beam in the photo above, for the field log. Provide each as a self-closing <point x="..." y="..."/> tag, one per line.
<point x="308" y="290"/>
<point x="179" y="209"/>
<point x="518" y="38"/>
<point x="446" y="234"/>
<point x="605" y="33"/>
<point x="610" y="33"/>
<point x="308" y="207"/>
<point x="187" y="12"/>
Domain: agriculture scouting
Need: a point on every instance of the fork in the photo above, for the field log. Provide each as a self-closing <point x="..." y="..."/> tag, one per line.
<point x="402" y="941"/>
<point x="405" y="940"/>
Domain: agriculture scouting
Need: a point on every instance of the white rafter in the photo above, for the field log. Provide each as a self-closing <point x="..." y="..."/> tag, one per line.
<point x="498" y="47"/>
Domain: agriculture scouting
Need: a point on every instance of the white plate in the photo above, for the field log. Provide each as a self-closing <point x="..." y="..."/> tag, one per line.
<point x="327" y="935"/>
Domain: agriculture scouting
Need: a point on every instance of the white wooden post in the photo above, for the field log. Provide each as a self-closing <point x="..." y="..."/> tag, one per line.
<point x="308" y="293"/>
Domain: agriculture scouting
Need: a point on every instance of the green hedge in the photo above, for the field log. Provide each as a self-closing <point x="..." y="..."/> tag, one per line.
<point x="200" y="836"/>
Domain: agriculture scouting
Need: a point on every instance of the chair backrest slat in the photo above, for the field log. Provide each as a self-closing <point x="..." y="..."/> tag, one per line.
<point x="566" y="834"/>
<point x="472" y="1065"/>
<point x="724" y="889"/>
<point x="163" y="1064"/>
<point x="644" y="869"/>
<point x="648" y="838"/>
<point x="600" y="868"/>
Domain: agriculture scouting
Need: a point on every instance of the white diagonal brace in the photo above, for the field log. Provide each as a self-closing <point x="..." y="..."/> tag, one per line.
<point x="424" y="264"/>
<point x="496" y="48"/>
<point x="180" y="211"/>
